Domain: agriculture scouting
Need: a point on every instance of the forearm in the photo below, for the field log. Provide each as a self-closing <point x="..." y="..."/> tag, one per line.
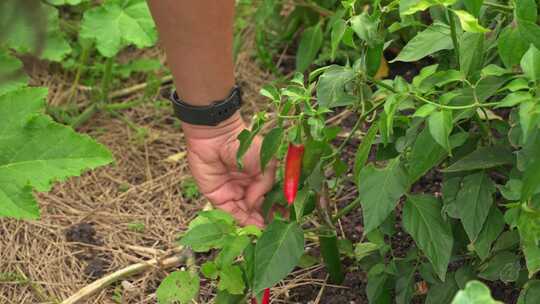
<point x="198" y="40"/>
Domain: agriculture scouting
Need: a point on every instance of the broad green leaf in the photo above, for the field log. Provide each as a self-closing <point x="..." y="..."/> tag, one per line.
<point x="423" y="221"/>
<point x="473" y="6"/>
<point x="529" y="117"/>
<point x="421" y="5"/>
<point x="425" y="110"/>
<point x="118" y="23"/>
<point x="440" y="126"/>
<point x="464" y="275"/>
<point x="511" y="46"/>
<point x="35" y="152"/>
<point x="212" y="216"/>
<point x="513" y="99"/>
<point x="507" y="240"/>
<point x="331" y="88"/>
<point x="425" y="154"/>
<point x="474" y="201"/>
<point x="493" y="70"/>
<point x="205" y="236"/>
<point x="431" y="40"/>
<point x="65" y="2"/>
<point x="233" y="247"/>
<point x="364" y="148"/>
<point x="504" y="266"/>
<point x="526" y="17"/>
<point x="12" y="75"/>
<point x="442" y="293"/>
<point x="469" y="23"/>
<point x="22" y="33"/>
<point x="475" y="292"/>
<point x="530" y="63"/>
<point x="277" y="252"/>
<point x="442" y="78"/>
<point x="450" y="190"/>
<point x="531" y="177"/>
<point x="362" y="250"/>
<point x="366" y="27"/>
<point x="223" y="297"/>
<point x="378" y="287"/>
<point x="483" y="158"/>
<point x="532" y="257"/>
<point x="493" y="227"/>
<point x="530" y="294"/>
<point x="379" y="191"/>
<point x="271" y="92"/>
<point x="424" y="73"/>
<point x="338" y="30"/>
<point x="405" y="283"/>
<point x="270" y="146"/>
<point x="471" y="53"/>
<point x="178" y="287"/>
<point x="308" y="49"/>
<point x="210" y="270"/>
<point x="231" y="279"/>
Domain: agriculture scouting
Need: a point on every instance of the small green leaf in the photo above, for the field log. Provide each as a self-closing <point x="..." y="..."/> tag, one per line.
<point x="277" y="252"/>
<point x="362" y="250"/>
<point x="423" y="221"/>
<point x="471" y="53"/>
<point x="246" y="138"/>
<point x="511" y="46"/>
<point x="529" y="117"/>
<point x="425" y="154"/>
<point x="420" y="5"/>
<point x="440" y="126"/>
<point x="210" y="270"/>
<point x="338" y="30"/>
<point x="231" y="280"/>
<point x="366" y="27"/>
<point x="309" y="46"/>
<point x="493" y="70"/>
<point x="363" y="150"/>
<point x="504" y="266"/>
<point x="530" y="294"/>
<point x="379" y="191"/>
<point x="332" y="87"/>
<point x="530" y="63"/>
<point x="233" y="247"/>
<point x="179" y="286"/>
<point x="205" y="236"/>
<point x="433" y="39"/>
<point x="270" y="146"/>
<point x="483" y="158"/>
<point x="493" y="226"/>
<point x="475" y="292"/>
<point x="474" y="201"/>
<point x="513" y="99"/>
<point x="469" y="23"/>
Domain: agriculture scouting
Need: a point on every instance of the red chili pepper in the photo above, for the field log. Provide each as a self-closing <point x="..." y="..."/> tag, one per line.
<point x="265" y="298"/>
<point x="293" y="166"/>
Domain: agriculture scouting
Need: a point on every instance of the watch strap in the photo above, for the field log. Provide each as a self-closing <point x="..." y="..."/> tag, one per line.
<point x="210" y="115"/>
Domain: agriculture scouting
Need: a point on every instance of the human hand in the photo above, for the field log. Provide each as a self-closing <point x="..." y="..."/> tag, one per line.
<point x="212" y="160"/>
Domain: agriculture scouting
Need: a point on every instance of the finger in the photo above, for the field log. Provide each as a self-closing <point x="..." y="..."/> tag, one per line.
<point x="244" y="218"/>
<point x="264" y="183"/>
<point x="229" y="192"/>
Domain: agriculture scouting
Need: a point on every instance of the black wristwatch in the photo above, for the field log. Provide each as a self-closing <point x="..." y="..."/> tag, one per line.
<point x="210" y="115"/>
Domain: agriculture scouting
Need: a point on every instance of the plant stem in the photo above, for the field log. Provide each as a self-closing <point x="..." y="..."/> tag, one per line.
<point x="107" y="78"/>
<point x="453" y="33"/>
<point x="84" y="116"/>
<point x="82" y="62"/>
<point x="499" y="6"/>
<point x="344" y="211"/>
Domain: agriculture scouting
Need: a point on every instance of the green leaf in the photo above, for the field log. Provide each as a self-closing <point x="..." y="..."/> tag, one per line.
<point x="474" y="201"/>
<point x="433" y="39"/>
<point x="378" y="290"/>
<point x="277" y="252"/>
<point x="65" y="2"/>
<point x="473" y="6"/>
<point x="526" y="17"/>
<point x="179" y="286"/>
<point x="531" y="177"/>
<point x="366" y="27"/>
<point x="362" y="153"/>
<point x="233" y="247"/>
<point x="231" y="280"/>
<point x="504" y="266"/>
<point x="475" y="292"/>
<point x="331" y="88"/>
<point x="20" y="32"/>
<point x="469" y="23"/>
<point x="270" y="146"/>
<point x="440" y="126"/>
<point x="511" y="46"/>
<point x="471" y="53"/>
<point x="493" y="70"/>
<point x="421" y="5"/>
<point x="530" y="294"/>
<point x="529" y="117"/>
<point x="425" y="154"/>
<point x="330" y="253"/>
<point x="442" y="293"/>
<point x="35" y="152"/>
<point x="379" y="191"/>
<point x="442" y="78"/>
<point x="246" y="138"/>
<point x="483" y="158"/>
<point x="12" y="76"/>
<point x="205" y="236"/>
<point x="338" y="30"/>
<point x="223" y="297"/>
<point x="423" y="221"/>
<point x="530" y="63"/>
<point x="513" y="99"/>
<point x="210" y="270"/>
<point x="362" y="250"/>
<point x="117" y="24"/>
<point x="493" y="227"/>
<point x="310" y="44"/>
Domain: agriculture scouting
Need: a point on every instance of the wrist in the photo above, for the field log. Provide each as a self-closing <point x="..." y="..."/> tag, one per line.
<point x="228" y="126"/>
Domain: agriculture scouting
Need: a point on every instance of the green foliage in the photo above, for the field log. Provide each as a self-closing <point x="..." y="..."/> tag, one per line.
<point x="474" y="292"/>
<point x="178" y="287"/>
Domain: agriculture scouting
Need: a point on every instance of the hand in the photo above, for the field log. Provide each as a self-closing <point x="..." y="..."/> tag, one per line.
<point x="212" y="160"/>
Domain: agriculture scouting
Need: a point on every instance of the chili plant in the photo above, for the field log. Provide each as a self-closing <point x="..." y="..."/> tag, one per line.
<point x="466" y="125"/>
